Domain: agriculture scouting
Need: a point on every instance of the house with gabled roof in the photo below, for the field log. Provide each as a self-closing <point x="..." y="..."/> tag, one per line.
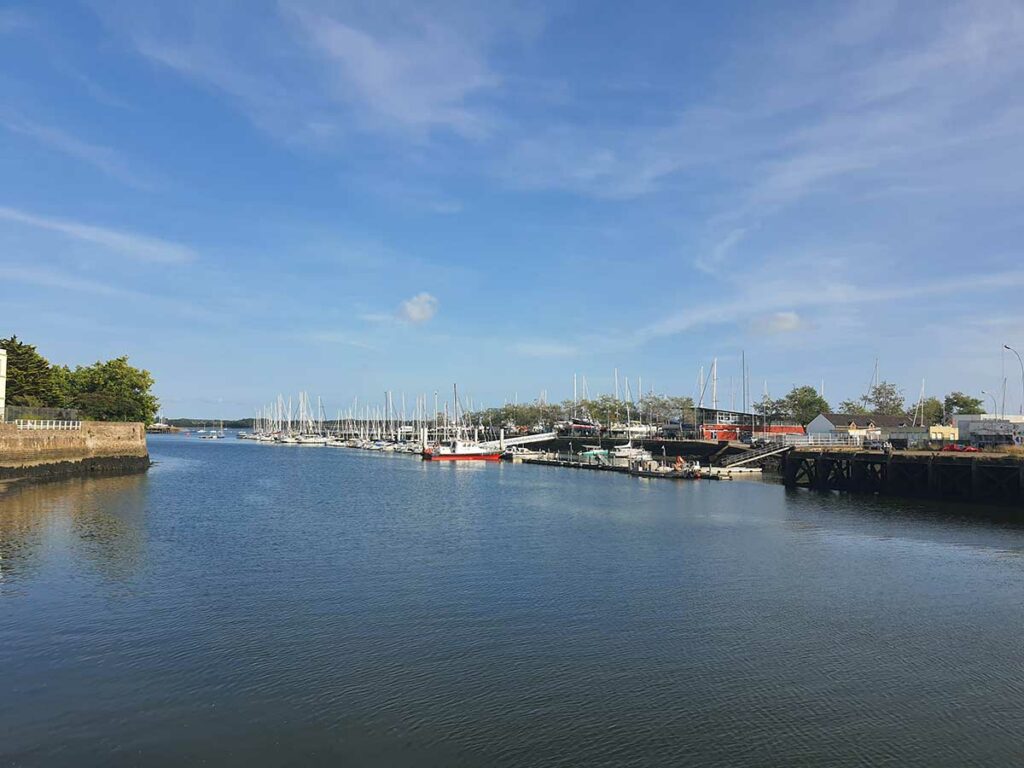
<point x="860" y="427"/>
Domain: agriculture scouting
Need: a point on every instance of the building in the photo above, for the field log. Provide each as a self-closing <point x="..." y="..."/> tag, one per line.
<point x="3" y="384"/>
<point x="943" y="433"/>
<point x="718" y="424"/>
<point x="865" y="427"/>
<point x="987" y="429"/>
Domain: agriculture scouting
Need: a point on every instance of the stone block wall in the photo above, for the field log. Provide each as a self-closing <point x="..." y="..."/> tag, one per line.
<point x="95" y="440"/>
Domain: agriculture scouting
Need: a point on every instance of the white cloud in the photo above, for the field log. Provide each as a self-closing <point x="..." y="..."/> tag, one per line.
<point x="778" y="322"/>
<point x="139" y="247"/>
<point x="419" y="309"/>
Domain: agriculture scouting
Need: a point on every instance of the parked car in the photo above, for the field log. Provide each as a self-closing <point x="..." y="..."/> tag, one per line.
<point x="956" y="448"/>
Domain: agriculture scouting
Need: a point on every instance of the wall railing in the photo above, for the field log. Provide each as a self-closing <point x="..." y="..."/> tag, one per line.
<point x="51" y="424"/>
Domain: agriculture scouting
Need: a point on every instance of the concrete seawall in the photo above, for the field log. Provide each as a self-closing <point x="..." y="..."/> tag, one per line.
<point x="96" y="448"/>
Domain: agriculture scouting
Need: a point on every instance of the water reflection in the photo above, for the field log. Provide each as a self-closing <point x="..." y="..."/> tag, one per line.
<point x="96" y="521"/>
<point x="251" y="606"/>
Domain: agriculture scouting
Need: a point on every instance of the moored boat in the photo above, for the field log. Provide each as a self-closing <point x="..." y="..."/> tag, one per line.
<point x="460" y="450"/>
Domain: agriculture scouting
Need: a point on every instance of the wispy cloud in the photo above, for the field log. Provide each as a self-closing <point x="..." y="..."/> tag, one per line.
<point x="60" y="280"/>
<point x="859" y="108"/>
<point x="103" y="158"/>
<point x="422" y="79"/>
<point x="542" y="348"/>
<point x="344" y="338"/>
<point x="135" y="246"/>
<point x="44" y="278"/>
<point x="777" y="303"/>
<point x="721" y="250"/>
<point x="331" y="69"/>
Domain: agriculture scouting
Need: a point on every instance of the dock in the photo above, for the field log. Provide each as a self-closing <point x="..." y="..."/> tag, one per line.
<point x="980" y="477"/>
<point x="662" y="472"/>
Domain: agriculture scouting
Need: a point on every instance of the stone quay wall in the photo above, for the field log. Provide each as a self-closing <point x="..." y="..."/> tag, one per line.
<point x="97" y="447"/>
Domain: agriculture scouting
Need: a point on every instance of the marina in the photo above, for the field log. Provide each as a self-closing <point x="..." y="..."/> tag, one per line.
<point x="511" y="385"/>
<point x="835" y="462"/>
<point x="362" y="606"/>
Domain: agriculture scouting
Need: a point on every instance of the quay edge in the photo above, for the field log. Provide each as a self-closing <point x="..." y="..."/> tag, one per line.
<point x="981" y="477"/>
<point x="93" y="448"/>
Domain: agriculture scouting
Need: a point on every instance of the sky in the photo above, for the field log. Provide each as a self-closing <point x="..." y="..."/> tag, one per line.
<point x="253" y="198"/>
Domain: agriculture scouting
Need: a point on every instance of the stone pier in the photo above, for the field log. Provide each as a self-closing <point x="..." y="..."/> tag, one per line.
<point x="94" y="447"/>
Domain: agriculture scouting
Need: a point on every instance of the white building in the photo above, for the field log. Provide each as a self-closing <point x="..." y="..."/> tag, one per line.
<point x="859" y="428"/>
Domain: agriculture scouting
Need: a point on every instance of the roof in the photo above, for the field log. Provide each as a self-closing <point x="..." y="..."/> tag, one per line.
<point x="867" y="419"/>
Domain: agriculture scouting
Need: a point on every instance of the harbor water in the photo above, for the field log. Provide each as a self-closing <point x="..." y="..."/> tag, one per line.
<point x="250" y="605"/>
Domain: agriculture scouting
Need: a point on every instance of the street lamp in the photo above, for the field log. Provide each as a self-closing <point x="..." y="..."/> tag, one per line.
<point x="995" y="405"/>
<point x="1007" y="346"/>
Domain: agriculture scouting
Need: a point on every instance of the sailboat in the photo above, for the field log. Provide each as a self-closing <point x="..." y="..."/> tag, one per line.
<point x="213" y="434"/>
<point x="630" y="451"/>
<point x="459" y="449"/>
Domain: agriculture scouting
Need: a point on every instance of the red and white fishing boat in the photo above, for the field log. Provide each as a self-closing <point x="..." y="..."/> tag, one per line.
<point x="460" y="450"/>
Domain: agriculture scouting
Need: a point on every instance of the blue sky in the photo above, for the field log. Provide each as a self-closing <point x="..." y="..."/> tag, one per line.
<point x="260" y="197"/>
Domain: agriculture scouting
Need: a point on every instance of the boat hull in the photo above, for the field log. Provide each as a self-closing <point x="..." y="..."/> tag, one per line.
<point x="429" y="456"/>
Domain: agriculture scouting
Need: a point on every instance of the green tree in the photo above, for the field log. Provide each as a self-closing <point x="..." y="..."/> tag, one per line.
<point x="885" y="398"/>
<point x="113" y="391"/>
<point x="958" y="402"/>
<point x="931" y="412"/>
<point x="772" y="409"/>
<point x="604" y="409"/>
<point x="62" y="385"/>
<point x="30" y="380"/>
<point x="657" y="409"/>
<point x="855" y="407"/>
<point x="803" y="404"/>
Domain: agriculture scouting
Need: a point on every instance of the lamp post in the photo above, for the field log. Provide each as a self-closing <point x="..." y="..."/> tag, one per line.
<point x="1007" y="346"/>
<point x="995" y="405"/>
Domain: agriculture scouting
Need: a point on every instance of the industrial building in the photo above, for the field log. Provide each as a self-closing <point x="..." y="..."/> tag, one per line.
<point x="986" y="429"/>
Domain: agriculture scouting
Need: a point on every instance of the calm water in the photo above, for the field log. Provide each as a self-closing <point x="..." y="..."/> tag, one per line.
<point x="257" y="605"/>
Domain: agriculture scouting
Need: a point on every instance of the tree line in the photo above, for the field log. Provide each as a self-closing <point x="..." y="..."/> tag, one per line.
<point x="799" y="406"/>
<point x="108" y="390"/>
<point x="604" y="409"/>
<point x="803" y="404"/>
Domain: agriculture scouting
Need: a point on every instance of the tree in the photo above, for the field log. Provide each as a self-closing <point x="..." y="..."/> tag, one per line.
<point x="657" y="409"/>
<point x="855" y="407"/>
<point x="886" y="399"/>
<point x="113" y="391"/>
<point x="803" y="404"/>
<point x="958" y="402"/>
<point x="931" y="412"/>
<point x="30" y="379"/>
<point x="772" y="409"/>
<point x="604" y="409"/>
<point x="62" y="385"/>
